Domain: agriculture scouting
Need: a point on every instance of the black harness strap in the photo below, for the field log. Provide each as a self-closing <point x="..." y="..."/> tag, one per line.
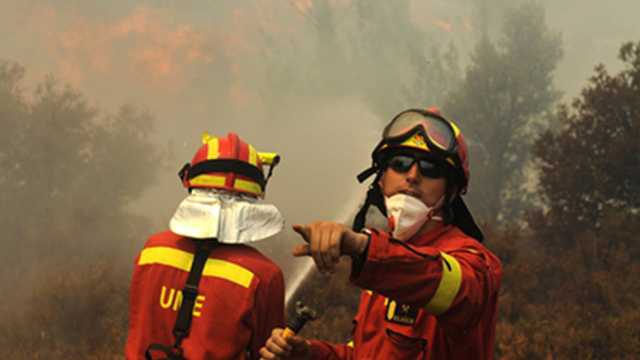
<point x="375" y="198"/>
<point x="185" y="313"/>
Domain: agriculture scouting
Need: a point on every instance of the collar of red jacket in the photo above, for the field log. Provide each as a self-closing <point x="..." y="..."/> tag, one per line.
<point x="429" y="237"/>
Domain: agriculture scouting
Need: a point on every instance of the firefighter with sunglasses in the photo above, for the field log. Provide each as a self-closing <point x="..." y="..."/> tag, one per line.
<point x="430" y="287"/>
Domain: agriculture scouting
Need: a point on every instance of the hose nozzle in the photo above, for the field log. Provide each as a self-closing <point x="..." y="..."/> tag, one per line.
<point x="303" y="314"/>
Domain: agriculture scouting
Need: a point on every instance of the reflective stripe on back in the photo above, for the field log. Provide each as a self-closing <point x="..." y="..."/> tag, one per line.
<point x="180" y="259"/>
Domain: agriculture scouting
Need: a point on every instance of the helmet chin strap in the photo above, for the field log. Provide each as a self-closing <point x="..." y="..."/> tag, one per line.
<point x="375" y="198"/>
<point x="437" y="206"/>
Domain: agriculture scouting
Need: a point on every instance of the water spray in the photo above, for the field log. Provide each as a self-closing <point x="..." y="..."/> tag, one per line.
<point x="307" y="267"/>
<point x="294" y="284"/>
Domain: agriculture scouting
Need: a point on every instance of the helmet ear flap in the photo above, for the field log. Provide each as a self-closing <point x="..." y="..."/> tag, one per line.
<point x="447" y="209"/>
<point x="374" y="197"/>
<point x="451" y="192"/>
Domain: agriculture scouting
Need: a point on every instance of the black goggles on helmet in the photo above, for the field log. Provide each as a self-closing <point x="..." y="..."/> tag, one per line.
<point x="402" y="163"/>
<point x="420" y="130"/>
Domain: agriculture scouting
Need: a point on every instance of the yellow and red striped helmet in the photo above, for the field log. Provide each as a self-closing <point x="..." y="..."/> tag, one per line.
<point x="428" y="131"/>
<point x="439" y="137"/>
<point x="228" y="163"/>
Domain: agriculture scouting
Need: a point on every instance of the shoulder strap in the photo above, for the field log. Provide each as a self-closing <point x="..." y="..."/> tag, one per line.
<point x="189" y="295"/>
<point x="190" y="292"/>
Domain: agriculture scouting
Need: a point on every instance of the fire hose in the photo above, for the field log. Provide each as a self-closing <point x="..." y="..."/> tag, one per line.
<point x="303" y="314"/>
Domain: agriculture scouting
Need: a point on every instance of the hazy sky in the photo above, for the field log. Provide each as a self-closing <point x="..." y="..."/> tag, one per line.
<point x="172" y="58"/>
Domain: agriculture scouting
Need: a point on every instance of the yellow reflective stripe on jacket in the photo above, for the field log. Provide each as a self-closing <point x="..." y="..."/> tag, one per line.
<point x="208" y="180"/>
<point x="350" y="344"/>
<point x="448" y="287"/>
<point x="180" y="259"/>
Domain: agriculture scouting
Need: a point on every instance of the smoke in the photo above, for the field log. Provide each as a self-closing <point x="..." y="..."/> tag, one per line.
<point x="252" y="67"/>
<point x="591" y="34"/>
<point x="303" y="268"/>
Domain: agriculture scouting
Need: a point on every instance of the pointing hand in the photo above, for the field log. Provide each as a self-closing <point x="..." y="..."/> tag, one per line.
<point x="326" y="241"/>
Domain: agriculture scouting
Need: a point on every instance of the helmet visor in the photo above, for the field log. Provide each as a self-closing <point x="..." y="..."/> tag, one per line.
<point x="439" y="132"/>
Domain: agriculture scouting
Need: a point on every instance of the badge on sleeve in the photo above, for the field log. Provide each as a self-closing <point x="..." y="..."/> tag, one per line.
<point x="401" y="313"/>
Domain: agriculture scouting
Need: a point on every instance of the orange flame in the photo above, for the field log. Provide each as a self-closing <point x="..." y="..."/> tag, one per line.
<point x="147" y="49"/>
<point x="444" y="25"/>
<point x="303" y="5"/>
<point x="467" y="24"/>
<point x="142" y="44"/>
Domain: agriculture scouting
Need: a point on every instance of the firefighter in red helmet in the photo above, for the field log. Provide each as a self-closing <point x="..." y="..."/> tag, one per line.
<point x="430" y="287"/>
<point x="198" y="290"/>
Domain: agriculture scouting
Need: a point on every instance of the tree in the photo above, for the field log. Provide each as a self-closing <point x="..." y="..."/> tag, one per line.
<point x="506" y="90"/>
<point x="369" y="50"/>
<point x="310" y="62"/>
<point x="436" y="75"/>
<point x="575" y="294"/>
<point x="67" y="172"/>
<point x="590" y="165"/>
<point x="396" y="64"/>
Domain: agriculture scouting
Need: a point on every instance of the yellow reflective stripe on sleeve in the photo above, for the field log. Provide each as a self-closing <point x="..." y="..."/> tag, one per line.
<point x="208" y="180"/>
<point x="350" y="344"/>
<point x="253" y="156"/>
<point x="182" y="260"/>
<point x="248" y="186"/>
<point x="213" y="149"/>
<point x="448" y="287"/>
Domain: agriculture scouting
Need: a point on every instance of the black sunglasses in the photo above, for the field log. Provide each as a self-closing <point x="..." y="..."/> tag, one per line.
<point x="403" y="163"/>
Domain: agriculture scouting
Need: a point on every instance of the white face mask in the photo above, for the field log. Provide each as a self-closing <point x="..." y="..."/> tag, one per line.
<point x="229" y="218"/>
<point x="407" y="214"/>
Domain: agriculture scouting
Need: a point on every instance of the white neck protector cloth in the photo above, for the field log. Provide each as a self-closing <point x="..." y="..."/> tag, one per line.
<point x="231" y="218"/>
<point x="408" y="214"/>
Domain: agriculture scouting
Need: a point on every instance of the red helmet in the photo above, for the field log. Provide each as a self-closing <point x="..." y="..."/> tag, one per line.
<point x="426" y="131"/>
<point x="440" y="139"/>
<point x="230" y="164"/>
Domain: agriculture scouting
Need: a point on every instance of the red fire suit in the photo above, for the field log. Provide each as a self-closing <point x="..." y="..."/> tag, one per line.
<point x="434" y="297"/>
<point x="241" y="299"/>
